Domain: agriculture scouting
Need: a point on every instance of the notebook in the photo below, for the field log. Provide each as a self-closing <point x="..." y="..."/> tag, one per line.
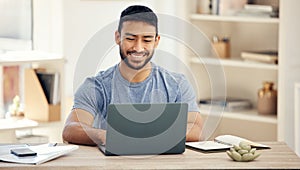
<point x="145" y="129"/>
<point x="44" y="153"/>
<point x="223" y="142"/>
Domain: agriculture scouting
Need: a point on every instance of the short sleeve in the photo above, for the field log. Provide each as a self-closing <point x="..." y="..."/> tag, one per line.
<point x="89" y="96"/>
<point x="187" y="95"/>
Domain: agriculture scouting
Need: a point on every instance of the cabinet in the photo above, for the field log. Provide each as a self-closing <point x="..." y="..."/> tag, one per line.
<point x="243" y="79"/>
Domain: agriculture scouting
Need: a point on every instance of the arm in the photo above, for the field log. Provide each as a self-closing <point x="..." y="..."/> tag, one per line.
<point x="78" y="129"/>
<point x="194" y="120"/>
<point x="194" y="127"/>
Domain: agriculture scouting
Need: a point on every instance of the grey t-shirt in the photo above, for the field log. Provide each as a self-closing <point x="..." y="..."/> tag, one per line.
<point x="109" y="86"/>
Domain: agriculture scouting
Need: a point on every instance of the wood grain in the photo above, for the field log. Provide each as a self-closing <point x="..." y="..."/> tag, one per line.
<point x="89" y="158"/>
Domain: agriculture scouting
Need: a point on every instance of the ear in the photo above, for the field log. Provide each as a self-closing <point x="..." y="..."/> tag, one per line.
<point x="117" y="37"/>
<point x="156" y="41"/>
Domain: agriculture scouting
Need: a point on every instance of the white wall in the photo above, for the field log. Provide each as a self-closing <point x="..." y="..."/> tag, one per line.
<point x="48" y="26"/>
<point x="289" y="59"/>
<point x="172" y="45"/>
<point x="82" y="19"/>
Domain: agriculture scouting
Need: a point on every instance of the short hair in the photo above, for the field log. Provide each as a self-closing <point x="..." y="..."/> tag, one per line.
<point x="138" y="13"/>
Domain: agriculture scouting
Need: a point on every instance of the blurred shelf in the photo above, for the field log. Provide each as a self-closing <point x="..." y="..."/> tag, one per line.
<point x="248" y="115"/>
<point x="233" y="63"/>
<point x="206" y="17"/>
<point x="15" y="123"/>
<point x="26" y="57"/>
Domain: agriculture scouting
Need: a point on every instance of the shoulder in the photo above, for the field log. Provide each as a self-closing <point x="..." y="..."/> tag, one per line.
<point x="169" y="75"/>
<point x="107" y="74"/>
<point x="102" y="76"/>
<point x="99" y="82"/>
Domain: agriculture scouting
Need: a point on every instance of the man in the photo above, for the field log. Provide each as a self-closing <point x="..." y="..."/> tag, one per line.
<point x="134" y="80"/>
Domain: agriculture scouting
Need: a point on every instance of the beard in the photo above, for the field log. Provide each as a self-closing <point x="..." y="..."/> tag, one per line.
<point x="126" y="61"/>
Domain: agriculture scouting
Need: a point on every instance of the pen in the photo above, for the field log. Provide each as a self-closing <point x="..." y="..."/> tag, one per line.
<point x="52" y="144"/>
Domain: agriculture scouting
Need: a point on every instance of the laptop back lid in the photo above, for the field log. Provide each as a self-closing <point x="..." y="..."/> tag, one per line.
<point x="142" y="129"/>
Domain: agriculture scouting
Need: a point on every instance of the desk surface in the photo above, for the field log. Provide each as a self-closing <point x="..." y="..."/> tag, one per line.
<point x="87" y="158"/>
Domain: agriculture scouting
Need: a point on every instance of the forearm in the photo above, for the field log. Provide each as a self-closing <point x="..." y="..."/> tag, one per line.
<point x="80" y="133"/>
<point x="194" y="127"/>
<point x="193" y="132"/>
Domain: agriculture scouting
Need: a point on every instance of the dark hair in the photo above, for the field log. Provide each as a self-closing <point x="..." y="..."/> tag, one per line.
<point x="138" y="13"/>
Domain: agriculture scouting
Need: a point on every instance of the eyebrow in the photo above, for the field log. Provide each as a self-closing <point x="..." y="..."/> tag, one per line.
<point x="134" y="35"/>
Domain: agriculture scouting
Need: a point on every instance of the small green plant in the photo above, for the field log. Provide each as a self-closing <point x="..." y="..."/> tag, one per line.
<point x="243" y="152"/>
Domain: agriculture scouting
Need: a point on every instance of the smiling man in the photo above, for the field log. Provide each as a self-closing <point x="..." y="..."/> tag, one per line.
<point x="134" y="80"/>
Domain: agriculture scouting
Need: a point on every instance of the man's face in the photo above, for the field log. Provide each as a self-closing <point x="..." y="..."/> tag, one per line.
<point x="137" y="42"/>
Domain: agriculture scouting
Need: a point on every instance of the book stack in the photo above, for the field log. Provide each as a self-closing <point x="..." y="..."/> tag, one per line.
<point x="244" y="8"/>
<point x="256" y="10"/>
<point x="266" y="56"/>
<point x="225" y="7"/>
<point x="230" y="104"/>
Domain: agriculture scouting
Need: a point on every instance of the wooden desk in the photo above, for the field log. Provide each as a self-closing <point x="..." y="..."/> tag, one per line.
<point x="88" y="158"/>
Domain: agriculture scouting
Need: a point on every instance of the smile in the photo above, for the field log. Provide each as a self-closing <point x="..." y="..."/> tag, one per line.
<point x="137" y="55"/>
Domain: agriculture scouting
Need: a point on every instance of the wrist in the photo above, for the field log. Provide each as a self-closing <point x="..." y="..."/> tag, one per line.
<point x="101" y="136"/>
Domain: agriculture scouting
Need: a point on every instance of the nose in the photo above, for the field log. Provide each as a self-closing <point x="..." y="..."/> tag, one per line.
<point x="138" y="45"/>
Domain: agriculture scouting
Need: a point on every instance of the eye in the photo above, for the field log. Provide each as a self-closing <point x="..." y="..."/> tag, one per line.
<point x="148" y="40"/>
<point x="129" y="39"/>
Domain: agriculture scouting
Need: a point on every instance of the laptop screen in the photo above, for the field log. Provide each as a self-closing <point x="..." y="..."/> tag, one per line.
<point x="146" y="128"/>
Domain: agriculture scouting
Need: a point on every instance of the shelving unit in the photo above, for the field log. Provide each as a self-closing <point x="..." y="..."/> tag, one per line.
<point x="34" y="97"/>
<point x="51" y="62"/>
<point x="243" y="79"/>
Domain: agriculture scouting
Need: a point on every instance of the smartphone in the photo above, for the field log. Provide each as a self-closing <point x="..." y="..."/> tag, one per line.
<point x="22" y="152"/>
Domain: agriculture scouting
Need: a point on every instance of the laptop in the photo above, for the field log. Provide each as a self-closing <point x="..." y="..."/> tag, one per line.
<point x="145" y="129"/>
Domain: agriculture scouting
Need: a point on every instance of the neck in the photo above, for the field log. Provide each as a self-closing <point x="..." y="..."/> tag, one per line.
<point x="135" y="76"/>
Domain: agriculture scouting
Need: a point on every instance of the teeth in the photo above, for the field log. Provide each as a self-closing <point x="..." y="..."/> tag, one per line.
<point x="137" y="56"/>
